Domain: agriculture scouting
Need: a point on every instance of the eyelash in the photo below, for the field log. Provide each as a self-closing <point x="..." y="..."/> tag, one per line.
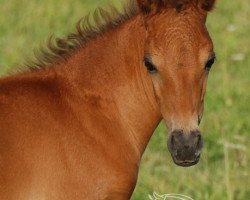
<point x="210" y="62"/>
<point x="149" y="65"/>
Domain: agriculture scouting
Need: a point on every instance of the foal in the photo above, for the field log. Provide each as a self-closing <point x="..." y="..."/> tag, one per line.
<point x="77" y="127"/>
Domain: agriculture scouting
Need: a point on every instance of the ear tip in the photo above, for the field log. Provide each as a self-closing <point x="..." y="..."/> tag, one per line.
<point x="148" y="6"/>
<point x="208" y="5"/>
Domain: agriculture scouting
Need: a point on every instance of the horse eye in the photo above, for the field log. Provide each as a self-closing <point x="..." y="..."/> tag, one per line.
<point x="210" y="63"/>
<point x="151" y="68"/>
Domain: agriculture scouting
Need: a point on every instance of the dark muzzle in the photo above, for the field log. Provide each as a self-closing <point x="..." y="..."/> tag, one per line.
<point x="185" y="148"/>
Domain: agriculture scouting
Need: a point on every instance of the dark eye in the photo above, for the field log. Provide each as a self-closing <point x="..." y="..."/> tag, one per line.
<point x="151" y="68"/>
<point x="210" y="62"/>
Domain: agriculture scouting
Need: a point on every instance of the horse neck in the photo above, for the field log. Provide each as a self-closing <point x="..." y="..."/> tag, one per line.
<point x="112" y="67"/>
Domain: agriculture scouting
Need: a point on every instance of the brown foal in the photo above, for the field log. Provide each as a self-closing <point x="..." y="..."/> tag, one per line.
<point x="76" y="128"/>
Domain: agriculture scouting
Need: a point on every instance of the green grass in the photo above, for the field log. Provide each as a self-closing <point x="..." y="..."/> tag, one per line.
<point x="224" y="170"/>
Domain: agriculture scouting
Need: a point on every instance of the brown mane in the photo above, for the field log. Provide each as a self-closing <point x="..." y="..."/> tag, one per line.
<point x="60" y="49"/>
<point x="88" y="28"/>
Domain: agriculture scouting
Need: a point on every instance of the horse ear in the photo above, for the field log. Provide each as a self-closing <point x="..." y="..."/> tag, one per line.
<point x="208" y="5"/>
<point x="150" y="6"/>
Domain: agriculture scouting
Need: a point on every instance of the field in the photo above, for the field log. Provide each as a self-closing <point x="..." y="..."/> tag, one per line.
<point x="224" y="170"/>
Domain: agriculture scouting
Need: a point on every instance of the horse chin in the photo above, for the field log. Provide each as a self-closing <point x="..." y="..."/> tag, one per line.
<point x="186" y="163"/>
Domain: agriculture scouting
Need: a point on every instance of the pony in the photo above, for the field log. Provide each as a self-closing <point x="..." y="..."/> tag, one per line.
<point x="75" y="124"/>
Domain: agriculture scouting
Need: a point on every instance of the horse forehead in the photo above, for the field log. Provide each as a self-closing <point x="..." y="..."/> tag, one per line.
<point x="183" y="36"/>
<point x="188" y="24"/>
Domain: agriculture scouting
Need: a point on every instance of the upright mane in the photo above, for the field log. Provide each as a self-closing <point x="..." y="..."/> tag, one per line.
<point x="89" y="27"/>
<point x="93" y="25"/>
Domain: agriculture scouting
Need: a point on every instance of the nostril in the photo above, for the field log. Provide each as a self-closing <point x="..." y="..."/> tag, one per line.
<point x="199" y="137"/>
<point x="199" y="141"/>
<point x="171" y="144"/>
<point x="172" y="140"/>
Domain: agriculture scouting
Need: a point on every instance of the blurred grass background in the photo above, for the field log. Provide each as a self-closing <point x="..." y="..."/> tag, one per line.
<point x="224" y="170"/>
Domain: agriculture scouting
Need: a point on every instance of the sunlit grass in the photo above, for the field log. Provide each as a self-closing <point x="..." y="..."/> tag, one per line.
<point x="224" y="170"/>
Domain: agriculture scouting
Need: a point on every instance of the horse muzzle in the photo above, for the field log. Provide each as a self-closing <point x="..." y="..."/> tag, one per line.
<point x="185" y="147"/>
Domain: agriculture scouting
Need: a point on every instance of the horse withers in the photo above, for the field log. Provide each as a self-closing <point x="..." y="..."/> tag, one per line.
<point x="75" y="124"/>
